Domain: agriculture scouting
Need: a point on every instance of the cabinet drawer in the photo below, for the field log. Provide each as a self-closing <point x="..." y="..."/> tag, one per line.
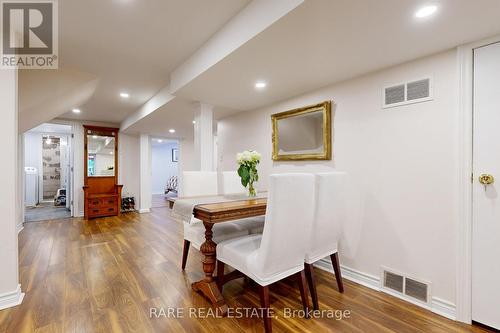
<point x="94" y="203"/>
<point x="94" y="211"/>
<point x="102" y="211"/>
<point x="108" y="210"/>
<point x="108" y="202"/>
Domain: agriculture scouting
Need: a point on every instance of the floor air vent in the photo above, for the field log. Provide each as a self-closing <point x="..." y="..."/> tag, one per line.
<point x="416" y="290"/>
<point x="408" y="93"/>
<point x="393" y="281"/>
<point x="408" y="288"/>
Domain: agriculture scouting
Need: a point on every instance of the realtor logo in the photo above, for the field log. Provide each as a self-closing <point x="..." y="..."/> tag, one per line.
<point x="29" y="34"/>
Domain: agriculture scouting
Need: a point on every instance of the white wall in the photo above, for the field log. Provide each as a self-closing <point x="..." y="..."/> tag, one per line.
<point x="10" y="290"/>
<point x="33" y="157"/>
<point x="128" y="168"/>
<point x="162" y="166"/>
<point x="187" y="160"/>
<point x="102" y="162"/>
<point x="403" y="161"/>
<point x="145" y="173"/>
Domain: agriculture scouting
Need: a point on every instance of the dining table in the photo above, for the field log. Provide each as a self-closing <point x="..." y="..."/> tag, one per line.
<point x="211" y="213"/>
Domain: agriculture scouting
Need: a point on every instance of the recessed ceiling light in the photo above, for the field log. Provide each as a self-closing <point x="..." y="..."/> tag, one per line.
<point x="171" y="130"/>
<point x="260" y="85"/>
<point x="160" y="140"/>
<point x="124" y="95"/>
<point x="426" y="11"/>
<point x="194" y="121"/>
<point x="111" y="152"/>
<point x="76" y="110"/>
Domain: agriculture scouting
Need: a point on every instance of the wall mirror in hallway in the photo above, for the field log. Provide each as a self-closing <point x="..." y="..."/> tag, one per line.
<point x="100" y="154"/>
<point x="303" y="134"/>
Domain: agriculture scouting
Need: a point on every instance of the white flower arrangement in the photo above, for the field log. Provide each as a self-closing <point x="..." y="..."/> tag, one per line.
<point x="248" y="156"/>
<point x="248" y="161"/>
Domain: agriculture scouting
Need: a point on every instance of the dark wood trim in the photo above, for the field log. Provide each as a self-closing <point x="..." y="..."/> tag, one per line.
<point x="265" y="305"/>
<point x="336" y="268"/>
<point x="303" y="291"/>
<point x="220" y="275"/>
<point x="185" y="252"/>
<point x="309" y="269"/>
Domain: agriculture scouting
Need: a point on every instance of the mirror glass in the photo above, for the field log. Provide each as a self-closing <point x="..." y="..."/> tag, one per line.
<point x="100" y="156"/>
<point x="301" y="134"/>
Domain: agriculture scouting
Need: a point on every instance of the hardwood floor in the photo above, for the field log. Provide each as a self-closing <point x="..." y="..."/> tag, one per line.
<point x="104" y="275"/>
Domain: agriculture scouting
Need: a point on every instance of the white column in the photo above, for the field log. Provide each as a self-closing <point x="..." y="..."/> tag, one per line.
<point x="21" y="186"/>
<point x="10" y="289"/>
<point x="204" y="138"/>
<point x="145" y="173"/>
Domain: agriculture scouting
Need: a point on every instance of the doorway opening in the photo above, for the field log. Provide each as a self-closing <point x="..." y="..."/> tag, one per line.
<point x="47" y="172"/>
<point x="164" y="171"/>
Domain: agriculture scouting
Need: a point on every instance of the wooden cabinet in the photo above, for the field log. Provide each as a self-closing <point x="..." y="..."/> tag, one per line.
<point x="101" y="190"/>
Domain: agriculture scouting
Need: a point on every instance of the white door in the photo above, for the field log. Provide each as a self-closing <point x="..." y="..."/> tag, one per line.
<point x="486" y="201"/>
<point x="69" y="189"/>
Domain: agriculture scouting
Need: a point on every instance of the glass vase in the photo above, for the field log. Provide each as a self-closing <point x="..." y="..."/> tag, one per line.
<point x="252" y="193"/>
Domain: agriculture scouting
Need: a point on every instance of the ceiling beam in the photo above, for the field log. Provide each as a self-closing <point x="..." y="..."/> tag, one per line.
<point x="257" y="16"/>
<point x="157" y="101"/>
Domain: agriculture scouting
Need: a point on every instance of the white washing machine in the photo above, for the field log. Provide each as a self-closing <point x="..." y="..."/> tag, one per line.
<point x="31" y="186"/>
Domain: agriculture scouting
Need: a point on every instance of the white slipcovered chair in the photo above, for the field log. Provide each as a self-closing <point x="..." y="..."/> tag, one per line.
<point x="231" y="184"/>
<point x="279" y="251"/>
<point x="324" y="232"/>
<point x="200" y="183"/>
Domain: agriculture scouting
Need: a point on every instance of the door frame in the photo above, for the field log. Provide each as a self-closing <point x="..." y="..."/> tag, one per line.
<point x="465" y="55"/>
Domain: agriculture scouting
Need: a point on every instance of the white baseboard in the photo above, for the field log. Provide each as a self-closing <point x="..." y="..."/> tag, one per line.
<point x="444" y="308"/>
<point x="437" y="305"/>
<point x="11" y="299"/>
<point x="20" y="227"/>
<point x="353" y="275"/>
<point x="144" y="210"/>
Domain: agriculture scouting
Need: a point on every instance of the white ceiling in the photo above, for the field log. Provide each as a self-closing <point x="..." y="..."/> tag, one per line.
<point x="52" y="128"/>
<point x="177" y="114"/>
<point x="132" y="45"/>
<point x="164" y="142"/>
<point x="327" y="41"/>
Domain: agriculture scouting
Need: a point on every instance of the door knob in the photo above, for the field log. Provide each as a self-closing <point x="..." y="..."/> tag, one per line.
<point x="486" y="179"/>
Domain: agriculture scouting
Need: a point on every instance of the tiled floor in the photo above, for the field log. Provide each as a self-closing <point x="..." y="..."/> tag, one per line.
<point x="45" y="211"/>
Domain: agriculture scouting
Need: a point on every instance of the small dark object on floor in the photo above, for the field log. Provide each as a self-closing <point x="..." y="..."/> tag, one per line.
<point x="128" y="204"/>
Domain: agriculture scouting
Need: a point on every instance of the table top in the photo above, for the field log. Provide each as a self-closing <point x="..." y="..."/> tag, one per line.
<point x="228" y="210"/>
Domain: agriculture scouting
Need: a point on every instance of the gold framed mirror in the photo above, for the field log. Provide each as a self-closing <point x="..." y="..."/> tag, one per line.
<point x="303" y="134"/>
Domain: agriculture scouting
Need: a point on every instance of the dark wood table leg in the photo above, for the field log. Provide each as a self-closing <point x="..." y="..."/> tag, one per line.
<point x="208" y="286"/>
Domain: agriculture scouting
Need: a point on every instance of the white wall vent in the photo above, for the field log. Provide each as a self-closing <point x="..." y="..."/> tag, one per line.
<point x="394" y="281"/>
<point x="405" y="287"/>
<point x="407" y="93"/>
<point x="417" y="289"/>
